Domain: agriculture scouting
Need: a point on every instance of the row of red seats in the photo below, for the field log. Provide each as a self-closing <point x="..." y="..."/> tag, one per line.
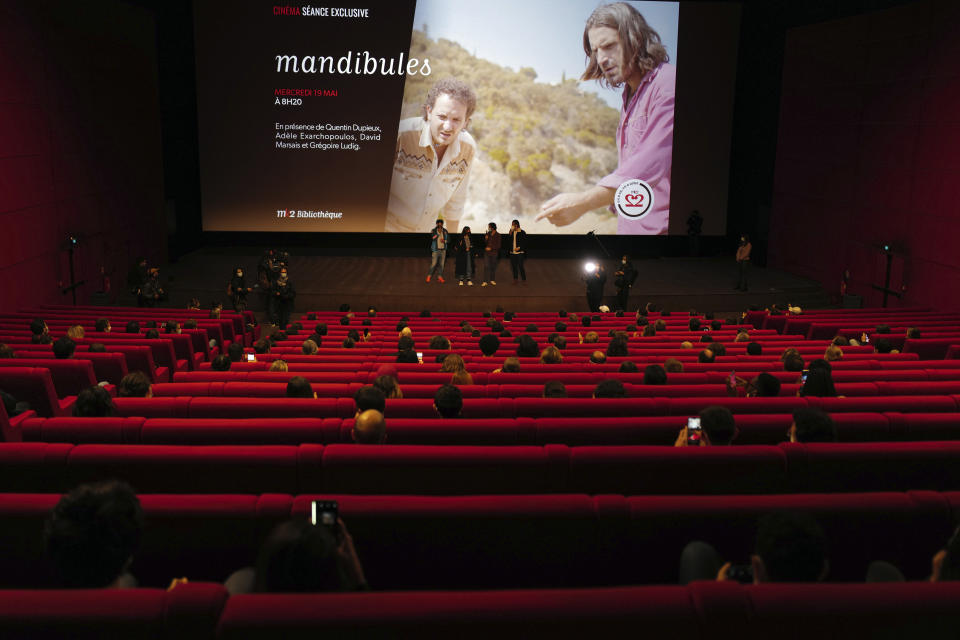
<point x="640" y="430"/>
<point x="456" y="470"/>
<point x="698" y="611"/>
<point x="509" y="541"/>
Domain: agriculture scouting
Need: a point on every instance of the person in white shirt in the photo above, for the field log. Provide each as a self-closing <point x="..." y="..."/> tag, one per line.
<point x="432" y="165"/>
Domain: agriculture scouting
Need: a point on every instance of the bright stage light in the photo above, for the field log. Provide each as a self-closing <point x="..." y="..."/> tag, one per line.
<point x="590" y="267"/>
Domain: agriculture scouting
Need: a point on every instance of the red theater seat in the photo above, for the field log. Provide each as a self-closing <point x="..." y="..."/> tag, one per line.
<point x="461" y="431"/>
<point x="34" y="385"/>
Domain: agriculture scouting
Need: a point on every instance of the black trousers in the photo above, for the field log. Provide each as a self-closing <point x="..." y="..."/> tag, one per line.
<point x="516" y="264"/>
<point x="622" y="295"/>
<point x="742" y="265"/>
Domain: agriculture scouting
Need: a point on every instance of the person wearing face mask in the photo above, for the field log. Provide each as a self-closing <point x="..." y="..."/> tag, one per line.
<point x="238" y="290"/>
<point x="153" y="292"/>
<point x="282" y="295"/>
<point x="518" y="251"/>
<point x="466" y="251"/>
<point x="743" y="261"/>
<point x="625" y="276"/>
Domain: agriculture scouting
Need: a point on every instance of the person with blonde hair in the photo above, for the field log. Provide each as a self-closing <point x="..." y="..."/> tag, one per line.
<point x="453" y="363"/>
<point x="833" y="353"/>
<point x="551" y="355"/>
<point x="279" y="365"/>
<point x="75" y="332"/>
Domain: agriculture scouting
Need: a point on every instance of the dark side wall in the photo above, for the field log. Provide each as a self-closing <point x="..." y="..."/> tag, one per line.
<point x="869" y="154"/>
<point x="79" y="146"/>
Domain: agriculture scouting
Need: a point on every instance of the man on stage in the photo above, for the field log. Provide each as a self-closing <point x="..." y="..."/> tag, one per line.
<point x="624" y="50"/>
<point x="433" y="160"/>
<point x="625" y="276"/>
<point x="595" y="281"/>
<point x="438" y="251"/>
<point x="518" y="251"/>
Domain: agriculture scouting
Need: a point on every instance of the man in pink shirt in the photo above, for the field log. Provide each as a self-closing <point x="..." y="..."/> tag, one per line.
<point x="624" y="50"/>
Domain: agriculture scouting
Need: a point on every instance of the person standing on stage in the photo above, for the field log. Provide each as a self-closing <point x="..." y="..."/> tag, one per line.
<point x="743" y="261"/>
<point x="438" y="251"/>
<point x="625" y="276"/>
<point x="238" y="290"/>
<point x="283" y="294"/>
<point x="595" y="281"/>
<point x="491" y="253"/>
<point x="433" y="159"/>
<point x="623" y="50"/>
<point x="465" y="249"/>
<point x="518" y="251"/>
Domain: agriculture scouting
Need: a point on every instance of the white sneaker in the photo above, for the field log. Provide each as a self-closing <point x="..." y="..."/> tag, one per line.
<point x="461" y="283"/>
<point x="493" y="282"/>
<point x="469" y="283"/>
<point x="483" y="284"/>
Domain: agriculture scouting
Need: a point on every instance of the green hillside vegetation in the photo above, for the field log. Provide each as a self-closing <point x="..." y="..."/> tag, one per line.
<point x="523" y="128"/>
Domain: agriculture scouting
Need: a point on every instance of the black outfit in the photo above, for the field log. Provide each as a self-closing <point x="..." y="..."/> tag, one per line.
<point x="492" y="240"/>
<point x="626" y="276"/>
<point x="238" y="293"/>
<point x="694" y="229"/>
<point x="282" y="295"/>
<point x="136" y="279"/>
<point x="466" y="264"/>
<point x="517" y="258"/>
<point x="595" y="282"/>
<point x="152" y="293"/>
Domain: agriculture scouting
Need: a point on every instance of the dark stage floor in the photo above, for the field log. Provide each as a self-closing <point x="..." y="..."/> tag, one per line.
<point x="395" y="283"/>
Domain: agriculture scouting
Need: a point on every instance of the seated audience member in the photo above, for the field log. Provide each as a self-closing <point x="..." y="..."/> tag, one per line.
<point x="686" y="344"/>
<point x="833" y="354"/>
<point x="92" y="535"/>
<point x="552" y="338"/>
<point x="309" y="348"/>
<point x="840" y="341"/>
<point x="882" y="346"/>
<point x="590" y="338"/>
<point x="598" y="357"/>
<point x="172" y="327"/>
<point x="369" y="427"/>
<point x="560" y="343"/>
<point x="793" y="363"/>
<point x="38" y="327"/>
<point x="754" y="349"/>
<point x="190" y="324"/>
<point x="946" y="562"/>
<point x="819" y="384"/>
<point x="694" y="324"/>
<point x="12" y="406"/>
<point x="764" y="385"/>
<point x="453" y="363"/>
<point x="820" y="363"/>
<point x="554" y="389"/>
<point x="706" y="357"/>
<point x="63" y="348"/>
<point x="717" y="348"/>
<point x="532" y="328"/>
<point x="300" y="557"/>
<point x="279" y="365"/>
<point x="439" y="343"/>
<point x="527" y="347"/>
<point x="76" y="332"/>
<point x="135" y="385"/>
<point x="654" y="374"/>
<point x="672" y="365"/>
<point x="151" y="334"/>
<point x="617" y="348"/>
<point x="719" y="428"/>
<point x="235" y="352"/>
<point x="448" y="401"/>
<point x="560" y="327"/>
<point x="93" y="402"/>
<point x="488" y="345"/>
<point x="883" y="328"/>
<point x="102" y="325"/>
<point x="43" y="338"/>
<point x="321" y="329"/>
<point x="510" y="365"/>
<point x="261" y="346"/>
<point x="388" y="385"/>
<point x="788" y="352"/>
<point x="6" y="352"/>
<point x="790" y="547"/>
<point x="585" y="321"/>
<point x="97" y="347"/>
<point x="913" y="333"/>
<point x="405" y="343"/>
<point x="743" y="336"/>
<point x="408" y="356"/>
<point x="345" y="321"/>
<point x="354" y="335"/>
<point x="551" y="355"/>
<point x="628" y="366"/>
<point x="133" y="327"/>
<point x="369" y="397"/>
<point x="649" y="331"/>
<point x="610" y="388"/>
<point x="461" y="378"/>
<point x="220" y="363"/>
<point x="348" y="343"/>
<point x="299" y="387"/>
<point x="812" y="425"/>
<point x="660" y="325"/>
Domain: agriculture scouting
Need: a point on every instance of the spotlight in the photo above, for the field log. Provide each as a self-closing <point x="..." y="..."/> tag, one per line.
<point x="589" y="267"/>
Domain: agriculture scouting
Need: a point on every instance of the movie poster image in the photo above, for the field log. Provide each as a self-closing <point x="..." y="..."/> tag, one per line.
<point x="539" y="143"/>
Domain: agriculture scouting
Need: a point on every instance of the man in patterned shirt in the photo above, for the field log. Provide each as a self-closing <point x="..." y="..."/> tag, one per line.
<point x="433" y="160"/>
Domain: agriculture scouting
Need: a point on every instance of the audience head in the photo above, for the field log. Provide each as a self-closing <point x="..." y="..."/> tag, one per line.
<point x="791" y="547"/>
<point x="102" y="325"/>
<point x="439" y="343"/>
<point x="299" y="557"/>
<point x="299" y="387"/>
<point x="38" y="327"/>
<point x="93" y="533"/>
<point x="527" y="347"/>
<point x="220" y="363"/>
<point x="649" y="331"/>
<point x="654" y="374"/>
<point x="370" y="397"/>
<point x="946" y="563"/>
<point x="235" y="352"/>
<point x="754" y="349"/>
<point x="765" y="386"/>
<point x="718" y="348"/>
<point x="76" y="332"/>
<point x="819" y="384"/>
<point x="812" y="425"/>
<point x="560" y="326"/>
<point x="833" y="353"/>
<point x="628" y="366"/>
<point x="97" y="347"/>
<point x="6" y="352"/>
<point x="448" y="401"/>
<point x="913" y="333"/>
<point x="262" y="346"/>
<point x="840" y="341"/>
<point x="279" y="365"/>
<point x="135" y="385"/>
<point x="560" y="342"/>
<point x="598" y="357"/>
<point x="63" y="348"/>
<point x="551" y="355"/>
<point x="610" y="388"/>
<point x="672" y="365"/>
<point x="686" y="344"/>
<point x="453" y="363"/>
<point x="882" y="328"/>
<point x="407" y="356"/>
<point x="511" y="365"/>
<point x="706" y="356"/>
<point x="369" y="427"/>
<point x="309" y="348"/>
<point x="617" y="348"/>
<point x="694" y="324"/>
<point x="93" y="402"/>
<point x="321" y="329"/>
<point x="348" y="343"/>
<point x="591" y="336"/>
<point x="171" y="327"/>
<point x="719" y="425"/>
<point x="488" y="344"/>
<point x="554" y="389"/>
<point x="152" y="334"/>
<point x="793" y="363"/>
<point x="882" y="346"/>
<point x="388" y="385"/>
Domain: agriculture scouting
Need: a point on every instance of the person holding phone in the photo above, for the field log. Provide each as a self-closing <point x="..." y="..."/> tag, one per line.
<point x="715" y="426"/>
